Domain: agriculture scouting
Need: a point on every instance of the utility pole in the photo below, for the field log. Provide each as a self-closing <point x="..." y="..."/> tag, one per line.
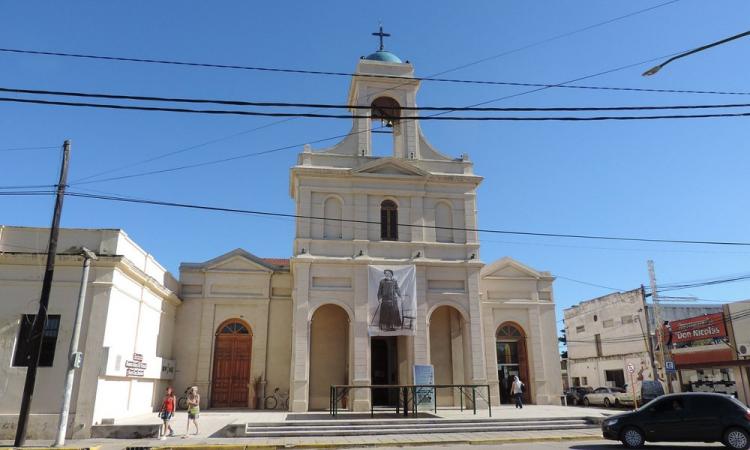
<point x="649" y="341"/>
<point x="659" y="323"/>
<point x="40" y="321"/>
<point x="76" y="358"/>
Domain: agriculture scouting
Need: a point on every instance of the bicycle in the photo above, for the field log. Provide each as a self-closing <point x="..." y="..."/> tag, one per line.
<point x="182" y="401"/>
<point x="277" y="400"/>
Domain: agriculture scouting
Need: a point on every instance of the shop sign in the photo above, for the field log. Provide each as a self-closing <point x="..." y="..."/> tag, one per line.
<point x="708" y="326"/>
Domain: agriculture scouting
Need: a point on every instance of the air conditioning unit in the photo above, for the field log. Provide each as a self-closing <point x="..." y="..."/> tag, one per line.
<point x="743" y="349"/>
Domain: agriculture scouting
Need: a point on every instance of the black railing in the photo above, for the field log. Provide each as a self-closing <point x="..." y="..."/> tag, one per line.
<point x="410" y="395"/>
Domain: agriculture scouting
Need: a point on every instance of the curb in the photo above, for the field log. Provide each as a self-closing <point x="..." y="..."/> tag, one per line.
<point x="92" y="447"/>
<point x="395" y="443"/>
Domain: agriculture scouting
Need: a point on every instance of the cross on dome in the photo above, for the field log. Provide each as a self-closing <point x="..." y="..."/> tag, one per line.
<point x="381" y="35"/>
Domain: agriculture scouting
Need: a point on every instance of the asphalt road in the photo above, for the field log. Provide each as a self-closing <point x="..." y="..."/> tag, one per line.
<point x="559" y="445"/>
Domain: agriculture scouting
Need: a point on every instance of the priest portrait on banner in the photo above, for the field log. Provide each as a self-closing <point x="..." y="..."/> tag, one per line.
<point x="392" y="300"/>
<point x="389" y="296"/>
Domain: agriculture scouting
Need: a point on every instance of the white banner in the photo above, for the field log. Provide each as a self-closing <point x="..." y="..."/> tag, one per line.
<point x="392" y="300"/>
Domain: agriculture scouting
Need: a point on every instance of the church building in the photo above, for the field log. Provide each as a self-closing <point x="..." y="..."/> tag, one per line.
<point x="307" y="323"/>
<point x="385" y="274"/>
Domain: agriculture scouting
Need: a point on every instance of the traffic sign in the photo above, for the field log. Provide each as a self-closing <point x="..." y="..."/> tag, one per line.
<point x="669" y="365"/>
<point x="631" y="368"/>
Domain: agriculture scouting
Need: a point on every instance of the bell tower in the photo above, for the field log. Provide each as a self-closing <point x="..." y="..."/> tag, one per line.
<point x="381" y="88"/>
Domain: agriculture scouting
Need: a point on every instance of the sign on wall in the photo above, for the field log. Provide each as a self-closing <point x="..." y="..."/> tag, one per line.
<point x="392" y="300"/>
<point x="707" y="326"/>
<point x="136" y="365"/>
<point x="424" y="374"/>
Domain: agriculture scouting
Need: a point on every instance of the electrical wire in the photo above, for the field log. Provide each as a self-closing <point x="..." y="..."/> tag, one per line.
<point x="336" y="73"/>
<point x="98" y="95"/>
<point x="16" y="149"/>
<point x="349" y="117"/>
<point x="308" y="217"/>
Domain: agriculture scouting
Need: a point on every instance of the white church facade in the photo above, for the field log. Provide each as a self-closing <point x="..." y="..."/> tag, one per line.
<point x="239" y="326"/>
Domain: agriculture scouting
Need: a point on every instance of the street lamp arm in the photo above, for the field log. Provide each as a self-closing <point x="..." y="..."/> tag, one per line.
<point x="655" y="69"/>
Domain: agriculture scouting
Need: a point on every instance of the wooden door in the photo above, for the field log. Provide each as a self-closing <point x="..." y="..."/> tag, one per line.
<point x="231" y="377"/>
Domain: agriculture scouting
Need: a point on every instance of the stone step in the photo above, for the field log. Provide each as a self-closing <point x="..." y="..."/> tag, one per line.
<point x="345" y="431"/>
<point x="411" y="421"/>
<point x="396" y="425"/>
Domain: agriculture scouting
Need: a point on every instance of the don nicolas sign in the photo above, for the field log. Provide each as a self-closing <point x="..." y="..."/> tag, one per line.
<point x="708" y="326"/>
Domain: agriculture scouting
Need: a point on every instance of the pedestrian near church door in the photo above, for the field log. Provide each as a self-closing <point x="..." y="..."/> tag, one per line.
<point x="231" y="373"/>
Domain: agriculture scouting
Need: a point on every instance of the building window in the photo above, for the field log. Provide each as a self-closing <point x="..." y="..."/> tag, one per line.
<point x="580" y="329"/>
<point x="443" y="222"/>
<point x="598" y="342"/>
<point x="595" y="317"/>
<point x="388" y="221"/>
<point x="22" y="355"/>
<point x="332" y="224"/>
<point x="615" y="378"/>
<point x="609" y="323"/>
<point x="576" y="381"/>
<point x="627" y="319"/>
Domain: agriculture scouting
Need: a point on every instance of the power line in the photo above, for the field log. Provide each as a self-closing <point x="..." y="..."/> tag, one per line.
<point x="364" y="107"/>
<point x="338" y="73"/>
<point x="308" y="217"/>
<point x="349" y="117"/>
<point x="17" y="149"/>
<point x="252" y="154"/>
<point x="590" y="284"/>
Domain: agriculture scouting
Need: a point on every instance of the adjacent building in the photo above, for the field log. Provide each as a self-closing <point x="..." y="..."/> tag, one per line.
<point x="606" y="334"/>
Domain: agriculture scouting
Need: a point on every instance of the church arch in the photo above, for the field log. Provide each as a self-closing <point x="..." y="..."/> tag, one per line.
<point x="512" y="359"/>
<point x="333" y="209"/>
<point x="443" y="222"/>
<point x="233" y="344"/>
<point x="329" y="352"/>
<point x="387" y="111"/>
<point x="388" y="220"/>
<point x="449" y="351"/>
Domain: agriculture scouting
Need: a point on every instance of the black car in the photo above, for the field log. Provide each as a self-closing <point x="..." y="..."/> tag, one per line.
<point x="575" y="394"/>
<point x="693" y="416"/>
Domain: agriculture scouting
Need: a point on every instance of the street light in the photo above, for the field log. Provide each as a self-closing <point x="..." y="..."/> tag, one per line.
<point x="655" y="69"/>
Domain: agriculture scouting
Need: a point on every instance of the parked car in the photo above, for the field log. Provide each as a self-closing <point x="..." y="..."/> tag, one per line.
<point x="607" y="396"/>
<point x="645" y="391"/>
<point x="574" y="395"/>
<point x="691" y="416"/>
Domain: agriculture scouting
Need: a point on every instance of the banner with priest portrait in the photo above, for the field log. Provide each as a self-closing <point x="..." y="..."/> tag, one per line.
<point x="392" y="300"/>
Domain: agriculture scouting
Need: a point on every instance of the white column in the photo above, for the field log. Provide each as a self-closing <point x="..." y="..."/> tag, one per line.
<point x="422" y="337"/>
<point x="300" y="338"/>
<point x="361" y="347"/>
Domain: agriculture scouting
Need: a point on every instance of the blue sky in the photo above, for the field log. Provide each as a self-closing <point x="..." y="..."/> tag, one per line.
<point x="660" y="179"/>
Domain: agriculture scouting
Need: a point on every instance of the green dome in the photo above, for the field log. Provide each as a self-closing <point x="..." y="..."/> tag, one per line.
<point x="385" y="56"/>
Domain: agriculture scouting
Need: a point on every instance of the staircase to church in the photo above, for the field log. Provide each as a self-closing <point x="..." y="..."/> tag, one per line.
<point x="364" y="427"/>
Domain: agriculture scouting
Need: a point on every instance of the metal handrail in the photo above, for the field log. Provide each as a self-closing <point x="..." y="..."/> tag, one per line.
<point x="337" y="392"/>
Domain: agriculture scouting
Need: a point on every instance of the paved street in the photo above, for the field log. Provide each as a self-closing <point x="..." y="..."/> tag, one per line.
<point x="577" y="445"/>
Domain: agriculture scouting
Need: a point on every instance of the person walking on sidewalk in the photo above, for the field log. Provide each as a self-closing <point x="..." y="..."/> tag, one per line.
<point x="167" y="411"/>
<point x="516" y="391"/>
<point x="193" y="403"/>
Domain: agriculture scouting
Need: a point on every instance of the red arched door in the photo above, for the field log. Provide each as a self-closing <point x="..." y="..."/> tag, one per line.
<point x="232" y="349"/>
<point x="512" y="359"/>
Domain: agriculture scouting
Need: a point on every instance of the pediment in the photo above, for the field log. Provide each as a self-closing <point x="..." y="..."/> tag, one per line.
<point x="509" y="268"/>
<point x="237" y="260"/>
<point x="391" y="166"/>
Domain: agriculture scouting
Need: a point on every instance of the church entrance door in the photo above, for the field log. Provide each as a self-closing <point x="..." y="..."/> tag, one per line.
<point x="384" y="369"/>
<point x="232" y="349"/>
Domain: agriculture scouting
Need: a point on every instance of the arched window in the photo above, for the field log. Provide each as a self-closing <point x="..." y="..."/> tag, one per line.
<point x="388" y="221"/>
<point x="332" y="223"/>
<point x="443" y="222"/>
<point x="233" y="328"/>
